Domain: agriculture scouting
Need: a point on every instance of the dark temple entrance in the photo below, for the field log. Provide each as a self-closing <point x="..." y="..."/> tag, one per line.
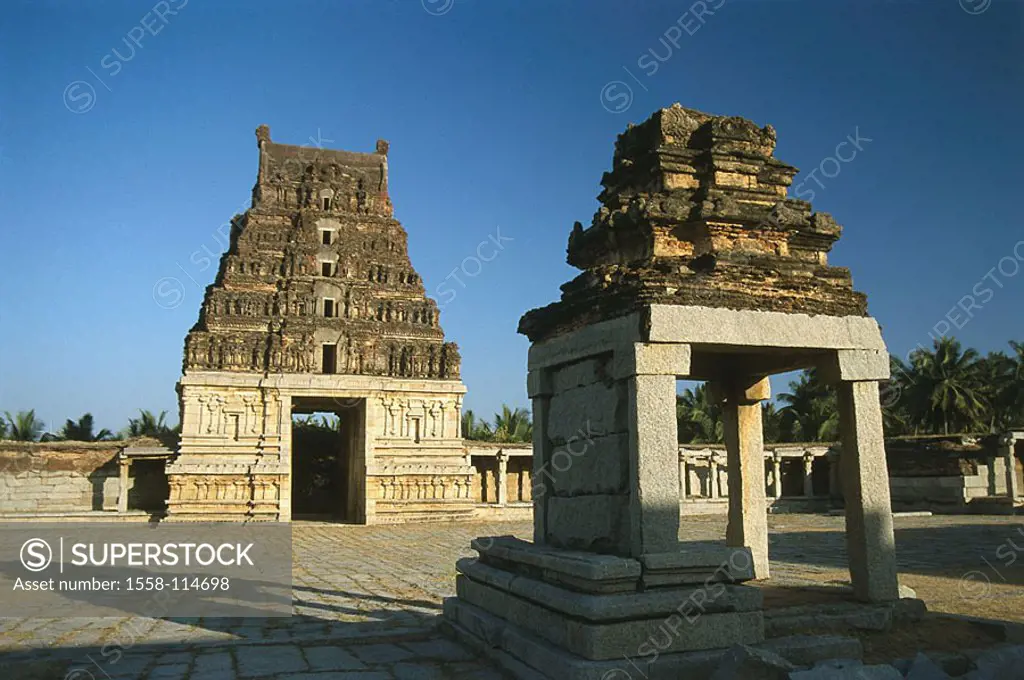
<point x="328" y="461"/>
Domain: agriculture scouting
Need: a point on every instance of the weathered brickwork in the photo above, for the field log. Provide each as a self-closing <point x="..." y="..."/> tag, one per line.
<point x="694" y="212"/>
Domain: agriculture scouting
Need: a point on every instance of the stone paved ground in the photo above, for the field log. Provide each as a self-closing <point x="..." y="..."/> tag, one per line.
<point x="366" y="601"/>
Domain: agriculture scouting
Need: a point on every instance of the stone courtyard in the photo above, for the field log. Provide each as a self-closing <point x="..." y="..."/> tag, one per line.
<point x="368" y="599"/>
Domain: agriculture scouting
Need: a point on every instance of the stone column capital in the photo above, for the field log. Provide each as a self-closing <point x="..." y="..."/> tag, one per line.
<point x="856" y="365"/>
<point x="1010" y="439"/>
<point x="641" y="358"/>
<point x="742" y="392"/>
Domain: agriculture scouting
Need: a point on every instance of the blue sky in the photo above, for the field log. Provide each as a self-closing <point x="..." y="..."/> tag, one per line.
<point x="116" y="168"/>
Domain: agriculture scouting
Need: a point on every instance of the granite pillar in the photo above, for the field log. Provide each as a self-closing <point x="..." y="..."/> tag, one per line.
<point x="808" y="475"/>
<point x="744" y="443"/>
<point x="870" y="542"/>
<point x="777" y="476"/>
<point x="1012" y="485"/>
<point x="501" y="481"/>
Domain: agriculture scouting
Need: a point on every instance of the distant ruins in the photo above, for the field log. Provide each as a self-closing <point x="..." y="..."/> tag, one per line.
<point x="316" y="307"/>
<point x="696" y="266"/>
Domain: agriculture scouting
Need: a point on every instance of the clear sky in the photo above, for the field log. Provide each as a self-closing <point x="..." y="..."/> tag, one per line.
<point x="127" y="141"/>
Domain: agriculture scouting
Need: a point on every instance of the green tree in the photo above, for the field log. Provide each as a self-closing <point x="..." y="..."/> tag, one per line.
<point x="24" y="427"/>
<point x="896" y="418"/>
<point x="811" y="412"/>
<point x="473" y="428"/>
<point x="771" y="421"/>
<point x="82" y="431"/>
<point x="945" y="389"/>
<point x="1003" y="380"/>
<point x="698" y="417"/>
<point x="512" y="425"/>
<point x="149" y="425"/>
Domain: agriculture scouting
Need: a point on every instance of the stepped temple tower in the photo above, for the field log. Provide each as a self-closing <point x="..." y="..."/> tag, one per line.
<point x="696" y="266"/>
<point x="317" y="308"/>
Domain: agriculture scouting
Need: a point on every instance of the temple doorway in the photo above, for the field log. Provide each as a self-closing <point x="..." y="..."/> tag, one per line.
<point x="328" y="459"/>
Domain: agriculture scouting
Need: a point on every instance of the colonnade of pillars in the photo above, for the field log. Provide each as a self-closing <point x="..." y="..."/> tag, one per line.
<point x="507" y="488"/>
<point x="710" y="469"/>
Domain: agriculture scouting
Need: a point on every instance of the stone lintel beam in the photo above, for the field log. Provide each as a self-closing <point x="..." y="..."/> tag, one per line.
<point x="598" y="338"/>
<point x="753" y="329"/>
<point x="856" y="365"/>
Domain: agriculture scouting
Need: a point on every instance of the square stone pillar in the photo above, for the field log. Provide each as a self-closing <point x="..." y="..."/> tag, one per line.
<point x="539" y="388"/>
<point x="777" y="476"/>
<point x="501" y="482"/>
<point x="123" y="465"/>
<point x="682" y="477"/>
<point x="835" y="490"/>
<point x="713" y="476"/>
<point x="1012" y="486"/>
<point x="744" y="443"/>
<point x="808" y="475"/>
<point x="653" y="464"/>
<point x="870" y="542"/>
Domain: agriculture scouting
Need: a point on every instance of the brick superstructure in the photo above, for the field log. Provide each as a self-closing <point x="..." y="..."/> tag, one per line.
<point x="694" y="212"/>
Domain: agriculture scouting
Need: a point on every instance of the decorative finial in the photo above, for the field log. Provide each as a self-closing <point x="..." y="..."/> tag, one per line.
<point x="262" y="134"/>
<point x="382" y="147"/>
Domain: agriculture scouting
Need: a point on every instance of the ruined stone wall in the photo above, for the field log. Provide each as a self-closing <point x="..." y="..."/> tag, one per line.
<point x="64" y="477"/>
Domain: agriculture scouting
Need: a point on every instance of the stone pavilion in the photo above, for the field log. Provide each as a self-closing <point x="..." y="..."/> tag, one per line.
<point x="698" y="266"/>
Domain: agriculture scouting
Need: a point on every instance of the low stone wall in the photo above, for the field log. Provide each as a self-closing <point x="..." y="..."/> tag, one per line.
<point x="70" y="477"/>
<point x="942" y="474"/>
<point x="949" y="473"/>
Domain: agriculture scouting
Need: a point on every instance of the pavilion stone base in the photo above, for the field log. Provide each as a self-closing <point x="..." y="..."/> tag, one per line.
<point x="574" y="615"/>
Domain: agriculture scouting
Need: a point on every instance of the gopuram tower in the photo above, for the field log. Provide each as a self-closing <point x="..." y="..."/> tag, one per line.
<point x="316" y="307"/>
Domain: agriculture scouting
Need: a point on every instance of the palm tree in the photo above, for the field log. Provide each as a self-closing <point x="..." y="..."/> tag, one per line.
<point x="699" y="417"/>
<point x="148" y="425"/>
<point x="512" y="425"/>
<point x="24" y="426"/>
<point x="771" y="422"/>
<point x="3" y="429"/>
<point x="82" y="430"/>
<point x="1007" y="380"/>
<point x="811" y="412"/>
<point x="896" y="418"/>
<point x="475" y="429"/>
<point x="947" y="392"/>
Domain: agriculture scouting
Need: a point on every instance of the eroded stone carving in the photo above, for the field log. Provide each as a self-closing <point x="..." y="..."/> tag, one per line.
<point x="694" y="212"/>
<point x="316" y="306"/>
